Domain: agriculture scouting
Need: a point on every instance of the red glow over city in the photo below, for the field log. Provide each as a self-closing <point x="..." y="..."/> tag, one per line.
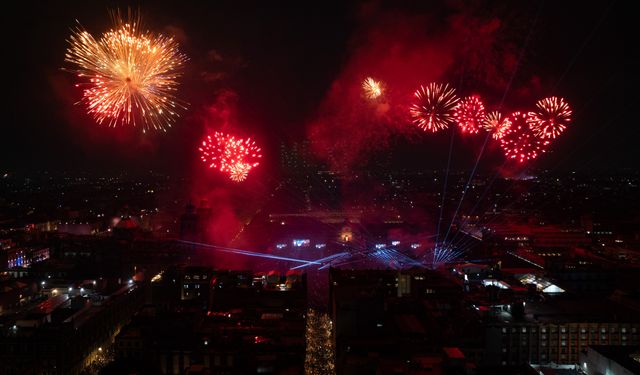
<point x="353" y="187"/>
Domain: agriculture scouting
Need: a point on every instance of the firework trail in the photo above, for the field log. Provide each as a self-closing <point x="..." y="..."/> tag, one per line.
<point x="128" y="76"/>
<point x="519" y="142"/>
<point x="231" y="155"/>
<point x="434" y="109"/>
<point x="551" y="117"/>
<point x="470" y="114"/>
<point x="496" y="124"/>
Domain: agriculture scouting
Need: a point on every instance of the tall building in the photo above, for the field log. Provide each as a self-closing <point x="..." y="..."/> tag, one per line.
<point x="195" y="222"/>
<point x="557" y="331"/>
<point x="189" y="223"/>
<point x="388" y="321"/>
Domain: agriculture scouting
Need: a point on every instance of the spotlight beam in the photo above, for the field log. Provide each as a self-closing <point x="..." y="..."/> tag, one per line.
<point x="249" y="253"/>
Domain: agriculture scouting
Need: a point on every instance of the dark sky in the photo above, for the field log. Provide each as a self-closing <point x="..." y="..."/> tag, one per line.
<point x="280" y="66"/>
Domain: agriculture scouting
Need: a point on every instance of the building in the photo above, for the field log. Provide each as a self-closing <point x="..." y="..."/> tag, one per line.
<point x="618" y="360"/>
<point x="388" y="321"/>
<point x="195" y="222"/>
<point x="61" y="334"/>
<point x="255" y="323"/>
<point x="556" y="330"/>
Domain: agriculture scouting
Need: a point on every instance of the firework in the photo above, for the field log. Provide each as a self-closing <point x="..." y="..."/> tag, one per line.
<point x="128" y="76"/>
<point x="551" y="118"/>
<point x="435" y="106"/>
<point x="495" y="123"/>
<point x="519" y="142"/>
<point x="231" y="155"/>
<point x="372" y="89"/>
<point x="470" y="114"/>
<point x="239" y="171"/>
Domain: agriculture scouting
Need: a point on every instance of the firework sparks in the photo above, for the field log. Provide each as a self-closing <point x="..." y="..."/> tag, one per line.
<point x="239" y="171"/>
<point x="470" y="114"/>
<point x="231" y="155"/>
<point x="435" y="106"/>
<point x="372" y="89"/>
<point x="495" y="123"/>
<point x="519" y="142"/>
<point x="551" y="118"/>
<point x="129" y="76"/>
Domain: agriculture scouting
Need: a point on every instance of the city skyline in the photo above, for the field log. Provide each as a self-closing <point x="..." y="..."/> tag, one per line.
<point x="364" y="187"/>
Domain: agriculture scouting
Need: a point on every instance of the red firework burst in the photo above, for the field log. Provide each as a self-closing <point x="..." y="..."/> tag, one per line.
<point x="231" y="155"/>
<point x="551" y="118"/>
<point x="495" y="123"/>
<point x="435" y="106"/>
<point x="470" y="114"/>
<point x="519" y="142"/>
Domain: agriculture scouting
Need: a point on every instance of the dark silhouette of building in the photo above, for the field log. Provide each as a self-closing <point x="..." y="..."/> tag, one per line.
<point x="254" y="324"/>
<point x="189" y="224"/>
<point x="194" y="223"/>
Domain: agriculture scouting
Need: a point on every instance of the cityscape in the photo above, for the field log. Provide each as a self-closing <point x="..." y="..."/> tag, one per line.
<point x="369" y="187"/>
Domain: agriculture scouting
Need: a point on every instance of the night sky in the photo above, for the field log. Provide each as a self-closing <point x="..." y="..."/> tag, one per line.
<point x="287" y="72"/>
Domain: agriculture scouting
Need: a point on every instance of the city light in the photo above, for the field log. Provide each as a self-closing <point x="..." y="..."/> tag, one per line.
<point x="301" y="243"/>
